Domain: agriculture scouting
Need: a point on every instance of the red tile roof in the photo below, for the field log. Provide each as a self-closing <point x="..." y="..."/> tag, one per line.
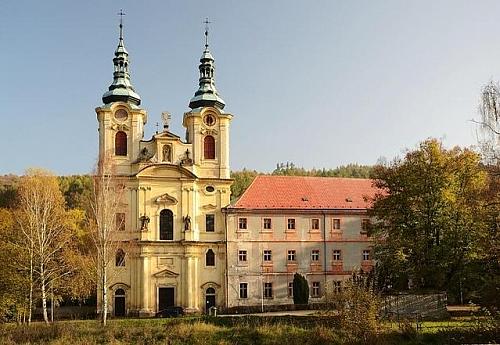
<point x="304" y="192"/>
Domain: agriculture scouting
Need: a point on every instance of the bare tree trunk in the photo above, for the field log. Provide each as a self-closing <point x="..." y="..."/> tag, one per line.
<point x="30" y="306"/>
<point x="52" y="302"/>
<point x="104" y="296"/>
<point x="44" y="295"/>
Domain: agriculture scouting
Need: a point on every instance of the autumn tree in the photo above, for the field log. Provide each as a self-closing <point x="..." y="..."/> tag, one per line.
<point x="107" y="193"/>
<point x="429" y="214"/>
<point x="14" y="281"/>
<point x="43" y="222"/>
<point x="487" y="269"/>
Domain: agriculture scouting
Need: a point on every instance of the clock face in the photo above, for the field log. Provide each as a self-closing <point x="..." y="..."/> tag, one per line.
<point x="209" y="120"/>
<point x="121" y="114"/>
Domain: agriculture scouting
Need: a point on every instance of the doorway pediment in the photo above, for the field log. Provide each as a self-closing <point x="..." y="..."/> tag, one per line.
<point x="166" y="199"/>
<point x="166" y="274"/>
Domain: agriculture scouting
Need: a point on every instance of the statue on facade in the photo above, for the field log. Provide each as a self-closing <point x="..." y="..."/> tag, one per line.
<point x="187" y="160"/>
<point x="144" y="222"/>
<point x="187" y="223"/>
<point x="145" y="155"/>
<point x="167" y="153"/>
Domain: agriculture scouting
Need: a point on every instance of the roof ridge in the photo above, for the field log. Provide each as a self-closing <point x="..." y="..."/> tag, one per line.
<point x="319" y="177"/>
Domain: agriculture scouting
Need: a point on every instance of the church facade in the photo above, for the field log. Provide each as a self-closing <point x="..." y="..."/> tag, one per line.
<point x="192" y="248"/>
<point x="174" y="192"/>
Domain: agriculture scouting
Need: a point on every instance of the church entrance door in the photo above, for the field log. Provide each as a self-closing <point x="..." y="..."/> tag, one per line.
<point x="165" y="298"/>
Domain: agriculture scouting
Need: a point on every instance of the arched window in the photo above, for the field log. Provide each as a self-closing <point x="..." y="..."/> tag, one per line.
<point x="166" y="225"/>
<point x="120" y="258"/>
<point x="210" y="258"/>
<point x="209" y="147"/>
<point x="121" y="143"/>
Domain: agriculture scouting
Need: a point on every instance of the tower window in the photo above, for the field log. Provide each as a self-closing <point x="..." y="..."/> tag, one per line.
<point x="210" y="258"/>
<point x="166" y="225"/>
<point x="209" y="147"/>
<point x="121" y="143"/>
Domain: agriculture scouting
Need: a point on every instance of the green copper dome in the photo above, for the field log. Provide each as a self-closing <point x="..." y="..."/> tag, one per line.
<point x="207" y="95"/>
<point x="121" y="90"/>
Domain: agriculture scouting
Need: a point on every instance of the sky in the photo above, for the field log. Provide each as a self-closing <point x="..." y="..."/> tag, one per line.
<point x="317" y="83"/>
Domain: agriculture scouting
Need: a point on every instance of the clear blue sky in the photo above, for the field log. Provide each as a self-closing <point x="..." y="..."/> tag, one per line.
<point x="319" y="83"/>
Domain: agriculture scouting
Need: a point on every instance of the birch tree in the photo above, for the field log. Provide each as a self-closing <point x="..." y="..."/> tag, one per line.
<point x="489" y="123"/>
<point x="107" y="192"/>
<point x="43" y="222"/>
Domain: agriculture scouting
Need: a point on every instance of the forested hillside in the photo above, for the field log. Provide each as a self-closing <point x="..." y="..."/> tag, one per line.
<point x="75" y="188"/>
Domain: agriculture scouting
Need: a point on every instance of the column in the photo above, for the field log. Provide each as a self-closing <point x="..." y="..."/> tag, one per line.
<point x="146" y="290"/>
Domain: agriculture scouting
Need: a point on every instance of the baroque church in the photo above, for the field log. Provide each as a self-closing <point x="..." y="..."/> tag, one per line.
<point x="195" y="249"/>
<point x="175" y="190"/>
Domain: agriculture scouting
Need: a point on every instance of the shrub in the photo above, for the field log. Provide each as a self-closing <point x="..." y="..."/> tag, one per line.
<point x="300" y="289"/>
<point x="358" y="308"/>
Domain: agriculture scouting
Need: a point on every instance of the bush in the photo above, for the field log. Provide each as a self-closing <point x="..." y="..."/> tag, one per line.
<point x="358" y="308"/>
<point x="300" y="289"/>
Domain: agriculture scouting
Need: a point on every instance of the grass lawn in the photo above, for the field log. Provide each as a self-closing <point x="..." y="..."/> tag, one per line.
<point x="241" y="330"/>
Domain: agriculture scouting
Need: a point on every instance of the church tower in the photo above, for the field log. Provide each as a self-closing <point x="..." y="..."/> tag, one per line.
<point x="121" y="120"/>
<point x="207" y="125"/>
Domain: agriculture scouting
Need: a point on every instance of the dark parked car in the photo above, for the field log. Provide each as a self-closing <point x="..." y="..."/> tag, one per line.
<point x="170" y="312"/>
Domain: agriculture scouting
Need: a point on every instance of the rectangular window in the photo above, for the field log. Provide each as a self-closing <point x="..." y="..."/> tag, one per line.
<point x="268" y="290"/>
<point x="243" y="290"/>
<point x="315" y="224"/>
<point x="365" y="225"/>
<point x="290" y="289"/>
<point x="366" y="254"/>
<point x="210" y="222"/>
<point x="120" y="221"/>
<point x="337" y="285"/>
<point x="315" y="255"/>
<point x="337" y="255"/>
<point x="315" y="289"/>
<point x="291" y="224"/>
<point x="242" y="255"/>
<point x="268" y="255"/>
<point x="291" y="255"/>
<point x="267" y="224"/>
<point x="242" y="223"/>
<point x="336" y="224"/>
